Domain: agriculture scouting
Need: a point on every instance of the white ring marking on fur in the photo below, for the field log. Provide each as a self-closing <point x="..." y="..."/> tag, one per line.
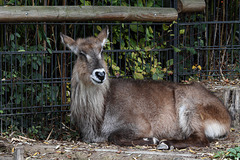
<point x="95" y="79"/>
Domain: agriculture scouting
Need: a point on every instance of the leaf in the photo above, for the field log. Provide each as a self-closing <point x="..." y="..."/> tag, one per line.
<point x="155" y="77"/>
<point x="191" y="50"/>
<point x="170" y="62"/>
<point x="48" y="41"/>
<point x="133" y="42"/>
<point x="237" y="149"/>
<point x="36" y="153"/>
<point x="150" y="29"/>
<point x="18" y="99"/>
<point x="231" y="155"/>
<point x="139" y="60"/>
<point x="135" y="28"/>
<point x="165" y="27"/>
<point x="99" y="28"/>
<point x="149" y="35"/>
<point x="147" y="48"/>
<point x="153" y="70"/>
<point x="199" y="67"/>
<point x="182" y="31"/>
<point x="21" y="50"/>
<point x="158" y="76"/>
<point x="34" y="58"/>
<point x="201" y="43"/>
<point x="13" y="45"/>
<point x="34" y="65"/>
<point x="238" y="155"/>
<point x="174" y="22"/>
<point x="11" y="37"/>
<point x="18" y="35"/>
<point x="87" y="3"/>
<point x="49" y="50"/>
<point x="137" y="48"/>
<point x="149" y="3"/>
<point x="192" y="150"/>
<point x="162" y="46"/>
<point x="140" y="3"/>
<point x="138" y="75"/>
<point x="39" y="62"/>
<point x="232" y="150"/>
<point x="22" y="62"/>
<point x="176" y="49"/>
<point x="164" y="70"/>
<point x="115" y="68"/>
<point x="170" y="72"/>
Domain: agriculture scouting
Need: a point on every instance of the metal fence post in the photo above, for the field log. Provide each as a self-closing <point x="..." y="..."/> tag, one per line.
<point x="175" y="43"/>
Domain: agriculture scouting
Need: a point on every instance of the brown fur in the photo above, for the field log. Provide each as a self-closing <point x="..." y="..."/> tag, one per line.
<point x="125" y="112"/>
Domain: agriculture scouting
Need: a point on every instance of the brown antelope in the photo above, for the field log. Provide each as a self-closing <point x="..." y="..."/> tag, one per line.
<point x="139" y="112"/>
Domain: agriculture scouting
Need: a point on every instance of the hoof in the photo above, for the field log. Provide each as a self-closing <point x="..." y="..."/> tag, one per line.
<point x="164" y="146"/>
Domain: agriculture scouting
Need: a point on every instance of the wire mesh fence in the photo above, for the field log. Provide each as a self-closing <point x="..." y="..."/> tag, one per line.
<point x="35" y="68"/>
<point x="211" y="41"/>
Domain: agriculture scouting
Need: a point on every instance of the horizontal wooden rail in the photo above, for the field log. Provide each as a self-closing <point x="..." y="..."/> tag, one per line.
<point x="85" y="13"/>
<point x="191" y="5"/>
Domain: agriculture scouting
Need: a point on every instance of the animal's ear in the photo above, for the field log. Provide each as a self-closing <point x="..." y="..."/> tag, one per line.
<point x="103" y="35"/>
<point x="70" y="43"/>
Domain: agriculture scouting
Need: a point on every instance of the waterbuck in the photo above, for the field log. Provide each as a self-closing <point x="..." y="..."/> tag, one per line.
<point x="139" y="112"/>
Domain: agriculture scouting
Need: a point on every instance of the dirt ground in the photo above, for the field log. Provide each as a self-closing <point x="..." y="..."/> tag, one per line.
<point x="57" y="150"/>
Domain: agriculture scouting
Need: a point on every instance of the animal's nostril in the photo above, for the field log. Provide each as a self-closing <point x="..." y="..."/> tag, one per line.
<point x="100" y="75"/>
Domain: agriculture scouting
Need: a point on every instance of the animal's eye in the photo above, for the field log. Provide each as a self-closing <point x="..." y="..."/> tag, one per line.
<point x="82" y="53"/>
<point x="102" y="54"/>
<point x="85" y="55"/>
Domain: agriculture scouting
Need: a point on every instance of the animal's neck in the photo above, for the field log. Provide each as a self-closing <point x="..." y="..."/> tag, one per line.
<point x="87" y="106"/>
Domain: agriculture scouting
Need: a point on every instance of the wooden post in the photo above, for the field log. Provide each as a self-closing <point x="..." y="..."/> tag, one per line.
<point x="191" y="5"/>
<point x="63" y="76"/>
<point x="232" y="102"/>
<point x="85" y="13"/>
<point x="19" y="153"/>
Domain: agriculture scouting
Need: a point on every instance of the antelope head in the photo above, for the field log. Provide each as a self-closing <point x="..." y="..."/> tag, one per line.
<point x="90" y="65"/>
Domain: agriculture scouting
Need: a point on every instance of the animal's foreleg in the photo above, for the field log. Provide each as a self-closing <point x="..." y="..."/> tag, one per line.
<point x="125" y="137"/>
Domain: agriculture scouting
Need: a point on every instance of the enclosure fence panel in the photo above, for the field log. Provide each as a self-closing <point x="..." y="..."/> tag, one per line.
<point x="36" y="68"/>
<point x="210" y="42"/>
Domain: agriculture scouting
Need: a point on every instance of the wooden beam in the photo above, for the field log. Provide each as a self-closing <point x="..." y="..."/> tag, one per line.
<point x="191" y="5"/>
<point x="231" y="100"/>
<point x="85" y="13"/>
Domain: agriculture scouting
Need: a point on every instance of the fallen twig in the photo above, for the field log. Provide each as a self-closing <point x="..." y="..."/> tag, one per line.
<point x="49" y="135"/>
<point x="68" y="128"/>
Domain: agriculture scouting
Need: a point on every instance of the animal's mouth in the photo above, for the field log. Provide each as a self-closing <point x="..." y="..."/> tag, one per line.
<point x="96" y="81"/>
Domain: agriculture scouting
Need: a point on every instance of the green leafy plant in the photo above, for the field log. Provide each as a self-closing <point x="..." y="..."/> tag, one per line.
<point x="232" y="153"/>
<point x="142" y="61"/>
